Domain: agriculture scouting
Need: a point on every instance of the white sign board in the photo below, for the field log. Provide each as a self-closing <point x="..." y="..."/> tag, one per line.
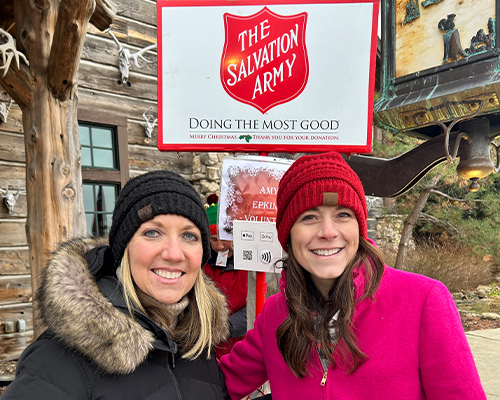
<point x="266" y="76"/>
<point x="256" y="246"/>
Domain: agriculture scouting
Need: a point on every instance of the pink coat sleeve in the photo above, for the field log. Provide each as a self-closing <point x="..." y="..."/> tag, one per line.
<point x="244" y="368"/>
<point x="447" y="367"/>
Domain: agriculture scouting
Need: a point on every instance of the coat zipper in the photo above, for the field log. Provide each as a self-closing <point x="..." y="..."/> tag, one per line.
<point x="323" y="381"/>
<point x="174" y="378"/>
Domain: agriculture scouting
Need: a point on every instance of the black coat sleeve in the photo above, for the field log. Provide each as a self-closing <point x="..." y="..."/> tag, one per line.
<point x="47" y="370"/>
<point x="238" y="323"/>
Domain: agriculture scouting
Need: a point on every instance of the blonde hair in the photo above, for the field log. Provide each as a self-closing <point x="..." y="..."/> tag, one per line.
<point x="204" y="322"/>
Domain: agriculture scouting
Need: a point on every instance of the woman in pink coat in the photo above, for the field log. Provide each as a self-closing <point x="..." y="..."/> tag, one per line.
<point x="346" y="326"/>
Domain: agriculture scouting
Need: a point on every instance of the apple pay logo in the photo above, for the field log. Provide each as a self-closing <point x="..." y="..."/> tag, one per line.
<point x="247" y="235"/>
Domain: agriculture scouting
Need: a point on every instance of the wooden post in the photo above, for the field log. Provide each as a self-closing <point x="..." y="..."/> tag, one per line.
<point x="51" y="34"/>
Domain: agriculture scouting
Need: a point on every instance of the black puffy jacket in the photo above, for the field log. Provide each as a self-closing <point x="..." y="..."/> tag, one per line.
<point x="94" y="350"/>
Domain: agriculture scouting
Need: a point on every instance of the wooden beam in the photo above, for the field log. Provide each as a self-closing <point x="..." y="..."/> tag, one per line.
<point x="65" y="52"/>
<point x="104" y="14"/>
<point x="6" y="14"/>
<point x="19" y="84"/>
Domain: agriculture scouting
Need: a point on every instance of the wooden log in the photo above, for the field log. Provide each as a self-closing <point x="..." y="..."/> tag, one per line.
<point x="149" y="159"/>
<point x="104" y="50"/>
<point x="15" y="289"/>
<point x="137" y="135"/>
<point x="12" y="233"/>
<point x="12" y="173"/>
<point x="53" y="176"/>
<point x="69" y="35"/>
<point x="104" y="14"/>
<point x="12" y="147"/>
<point x="19" y="84"/>
<point x="109" y="80"/>
<point x="16" y="314"/>
<point x="7" y="13"/>
<point x="118" y="105"/>
<point x="143" y="10"/>
<point x="130" y="32"/>
<point x="14" y="123"/>
<point x="13" y="344"/>
<point x="14" y="261"/>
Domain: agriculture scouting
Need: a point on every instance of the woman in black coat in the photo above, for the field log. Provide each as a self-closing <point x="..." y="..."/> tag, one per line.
<point x="135" y="319"/>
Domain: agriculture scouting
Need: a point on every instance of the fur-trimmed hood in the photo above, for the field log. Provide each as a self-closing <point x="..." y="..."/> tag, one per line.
<point x="85" y="315"/>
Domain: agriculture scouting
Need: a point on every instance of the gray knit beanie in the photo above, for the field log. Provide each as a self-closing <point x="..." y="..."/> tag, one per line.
<point x="151" y="194"/>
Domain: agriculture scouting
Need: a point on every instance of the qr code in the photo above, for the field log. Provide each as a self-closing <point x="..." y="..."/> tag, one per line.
<point x="247" y="255"/>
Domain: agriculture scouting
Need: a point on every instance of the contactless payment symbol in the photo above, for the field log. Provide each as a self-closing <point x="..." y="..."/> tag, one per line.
<point x="264" y="61"/>
<point x="266" y="256"/>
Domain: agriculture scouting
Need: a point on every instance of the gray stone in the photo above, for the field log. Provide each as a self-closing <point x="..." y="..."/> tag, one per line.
<point x="213" y="173"/>
<point x="209" y="187"/>
<point x="196" y="165"/>
<point x="490" y="316"/>
<point x="196" y="177"/>
<point x="458" y="296"/>
<point x="209" y="158"/>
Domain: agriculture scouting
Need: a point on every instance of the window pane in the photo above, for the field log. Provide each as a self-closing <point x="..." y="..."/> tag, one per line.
<point x="109" y="193"/>
<point x="108" y="222"/>
<point x="84" y="135"/>
<point x="103" y="158"/>
<point x="99" y="215"/>
<point x="88" y="198"/>
<point x="86" y="157"/>
<point x="101" y="137"/>
<point x="90" y="223"/>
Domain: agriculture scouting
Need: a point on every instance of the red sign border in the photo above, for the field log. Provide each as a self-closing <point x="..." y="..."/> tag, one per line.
<point x="274" y="147"/>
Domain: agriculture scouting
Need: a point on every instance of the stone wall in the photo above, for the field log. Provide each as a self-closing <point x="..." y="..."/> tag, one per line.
<point x="206" y="173"/>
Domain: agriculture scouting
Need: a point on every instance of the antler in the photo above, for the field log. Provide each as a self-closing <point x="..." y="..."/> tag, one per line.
<point x="140" y="53"/>
<point x="9" y="46"/>
<point x="126" y="57"/>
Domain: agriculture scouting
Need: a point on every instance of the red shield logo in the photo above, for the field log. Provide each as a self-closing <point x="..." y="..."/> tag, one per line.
<point x="264" y="62"/>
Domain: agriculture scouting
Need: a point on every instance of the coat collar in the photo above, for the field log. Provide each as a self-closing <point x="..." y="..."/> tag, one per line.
<point x="91" y="317"/>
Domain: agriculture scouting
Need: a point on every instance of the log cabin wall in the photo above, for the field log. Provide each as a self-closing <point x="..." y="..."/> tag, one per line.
<point x="104" y="99"/>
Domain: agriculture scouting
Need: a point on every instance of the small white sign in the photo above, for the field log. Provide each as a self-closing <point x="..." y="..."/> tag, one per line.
<point x="256" y="246"/>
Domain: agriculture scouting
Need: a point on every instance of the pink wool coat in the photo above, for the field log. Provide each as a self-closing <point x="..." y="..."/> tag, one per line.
<point x="411" y="333"/>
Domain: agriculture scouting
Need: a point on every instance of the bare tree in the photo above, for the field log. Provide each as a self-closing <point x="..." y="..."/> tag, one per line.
<point x="411" y="220"/>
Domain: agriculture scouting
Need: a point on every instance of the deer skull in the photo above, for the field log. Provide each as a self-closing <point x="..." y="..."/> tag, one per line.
<point x="150" y="122"/>
<point x="10" y="198"/>
<point x="126" y="57"/>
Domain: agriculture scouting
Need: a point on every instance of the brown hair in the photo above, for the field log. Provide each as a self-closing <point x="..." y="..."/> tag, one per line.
<point x="298" y="334"/>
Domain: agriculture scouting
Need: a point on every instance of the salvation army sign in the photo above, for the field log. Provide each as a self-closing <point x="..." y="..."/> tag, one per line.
<point x="264" y="67"/>
<point x="267" y="76"/>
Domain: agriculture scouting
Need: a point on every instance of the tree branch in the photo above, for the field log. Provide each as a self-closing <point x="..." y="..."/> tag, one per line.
<point x="453" y="198"/>
<point x="19" y="84"/>
<point x="67" y="44"/>
<point x="446" y="225"/>
<point x="104" y="14"/>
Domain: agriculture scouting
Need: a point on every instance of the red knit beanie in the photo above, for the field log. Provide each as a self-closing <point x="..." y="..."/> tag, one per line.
<point x="315" y="180"/>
